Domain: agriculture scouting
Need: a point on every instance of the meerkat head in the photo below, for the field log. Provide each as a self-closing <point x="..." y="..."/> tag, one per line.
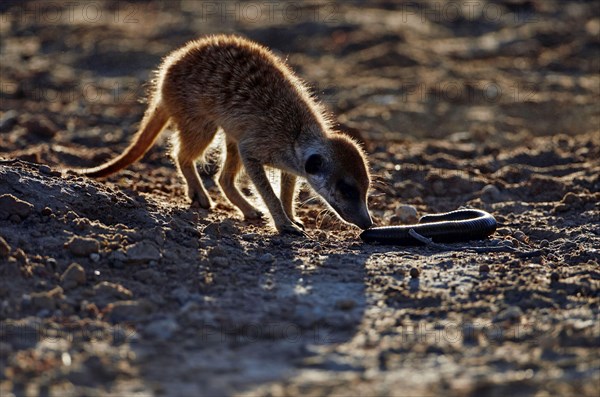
<point x="338" y="172"/>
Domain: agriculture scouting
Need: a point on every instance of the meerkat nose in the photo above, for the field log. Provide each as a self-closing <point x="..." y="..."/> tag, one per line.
<point x="365" y="221"/>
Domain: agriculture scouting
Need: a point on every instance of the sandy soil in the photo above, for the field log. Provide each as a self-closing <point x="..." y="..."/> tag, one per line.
<point x="118" y="287"/>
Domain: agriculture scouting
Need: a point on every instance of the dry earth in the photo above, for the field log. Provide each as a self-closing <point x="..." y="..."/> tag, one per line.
<point x="118" y="287"/>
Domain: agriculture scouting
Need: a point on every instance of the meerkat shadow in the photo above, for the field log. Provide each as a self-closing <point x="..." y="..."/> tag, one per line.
<point x="269" y="293"/>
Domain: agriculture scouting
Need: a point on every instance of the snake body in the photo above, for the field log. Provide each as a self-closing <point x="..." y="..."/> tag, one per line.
<point x="454" y="226"/>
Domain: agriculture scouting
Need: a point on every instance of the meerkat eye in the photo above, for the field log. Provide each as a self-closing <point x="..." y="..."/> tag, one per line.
<point x="347" y="191"/>
<point x="313" y="164"/>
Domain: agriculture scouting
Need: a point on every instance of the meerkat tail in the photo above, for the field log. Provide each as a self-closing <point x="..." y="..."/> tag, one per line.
<point x="152" y="125"/>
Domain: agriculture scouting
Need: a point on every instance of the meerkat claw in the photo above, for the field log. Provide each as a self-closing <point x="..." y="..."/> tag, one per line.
<point x="292" y="230"/>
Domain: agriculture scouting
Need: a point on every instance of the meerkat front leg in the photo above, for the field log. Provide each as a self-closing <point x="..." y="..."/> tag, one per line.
<point x="227" y="181"/>
<point x="257" y="174"/>
<point x="287" y="195"/>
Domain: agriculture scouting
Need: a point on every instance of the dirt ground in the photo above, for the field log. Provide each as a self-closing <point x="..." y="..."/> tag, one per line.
<point x="117" y="287"/>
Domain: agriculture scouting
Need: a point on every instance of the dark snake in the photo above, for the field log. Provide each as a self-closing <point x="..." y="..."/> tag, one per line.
<point x="449" y="227"/>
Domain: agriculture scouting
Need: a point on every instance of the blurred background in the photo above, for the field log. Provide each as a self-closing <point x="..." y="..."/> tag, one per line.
<point x="495" y="71"/>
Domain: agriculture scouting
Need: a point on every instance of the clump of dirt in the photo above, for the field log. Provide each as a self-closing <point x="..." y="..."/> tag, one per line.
<point x="118" y="287"/>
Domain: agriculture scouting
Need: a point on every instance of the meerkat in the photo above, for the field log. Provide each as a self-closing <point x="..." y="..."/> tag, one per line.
<point x="269" y="119"/>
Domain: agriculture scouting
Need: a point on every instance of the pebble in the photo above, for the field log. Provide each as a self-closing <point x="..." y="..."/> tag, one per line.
<point x="414" y="272"/>
<point x="142" y="252"/>
<point x="212" y="230"/>
<point x="544" y="243"/>
<point x="554" y="277"/>
<point x="219" y="261"/>
<point x="82" y="246"/>
<point x="40" y="126"/>
<point x="95" y="257"/>
<point x="511" y="313"/>
<point x="128" y="310"/>
<point x="345" y="304"/>
<point x="520" y="236"/>
<point x="250" y="236"/>
<point x="4" y="248"/>
<point x="73" y="276"/>
<point x="47" y="300"/>
<point x="11" y="205"/>
<point x="47" y="211"/>
<point x="507" y="243"/>
<point x="571" y="199"/>
<point x="484" y="268"/>
<point x="46" y="170"/>
<point x="112" y="290"/>
<point x="406" y="214"/>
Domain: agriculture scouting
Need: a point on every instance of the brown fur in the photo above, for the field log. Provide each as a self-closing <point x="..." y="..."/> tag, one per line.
<point x="269" y="119"/>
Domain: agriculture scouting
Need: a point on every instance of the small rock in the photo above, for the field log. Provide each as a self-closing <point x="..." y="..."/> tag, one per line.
<point x="345" y="304"/>
<point x="571" y="199"/>
<point x="554" y="277"/>
<point x="212" y="230"/>
<point x="407" y="214"/>
<point x="267" y="258"/>
<point x="47" y="300"/>
<point x="544" y="243"/>
<point x="47" y="211"/>
<point x="21" y="256"/>
<point x="82" y="246"/>
<point x="490" y="193"/>
<point x="128" y="310"/>
<point x="511" y="313"/>
<point x="219" y="261"/>
<point x="46" y="170"/>
<point x="11" y="205"/>
<point x="107" y="289"/>
<point x="508" y="242"/>
<point x="161" y="329"/>
<point x="414" y="272"/>
<point x="142" y="252"/>
<point x="4" y="248"/>
<point x="40" y="125"/>
<point x="95" y="257"/>
<point x="484" y="268"/>
<point x="73" y="276"/>
<point x="520" y="236"/>
<point x="8" y="121"/>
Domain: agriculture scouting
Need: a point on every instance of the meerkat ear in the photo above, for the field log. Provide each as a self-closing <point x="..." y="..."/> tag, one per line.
<point x="313" y="164"/>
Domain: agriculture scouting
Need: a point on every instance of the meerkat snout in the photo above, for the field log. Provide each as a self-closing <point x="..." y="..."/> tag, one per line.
<point x="339" y="174"/>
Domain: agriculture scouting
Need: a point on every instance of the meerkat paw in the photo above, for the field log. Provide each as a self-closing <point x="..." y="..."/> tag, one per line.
<point x="291" y="229"/>
<point x="201" y="201"/>
<point x="253" y="215"/>
<point x="299" y="224"/>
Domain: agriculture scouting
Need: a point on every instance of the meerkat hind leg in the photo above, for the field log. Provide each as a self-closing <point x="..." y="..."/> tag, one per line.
<point x="227" y="181"/>
<point x="191" y="145"/>
<point x="287" y="195"/>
